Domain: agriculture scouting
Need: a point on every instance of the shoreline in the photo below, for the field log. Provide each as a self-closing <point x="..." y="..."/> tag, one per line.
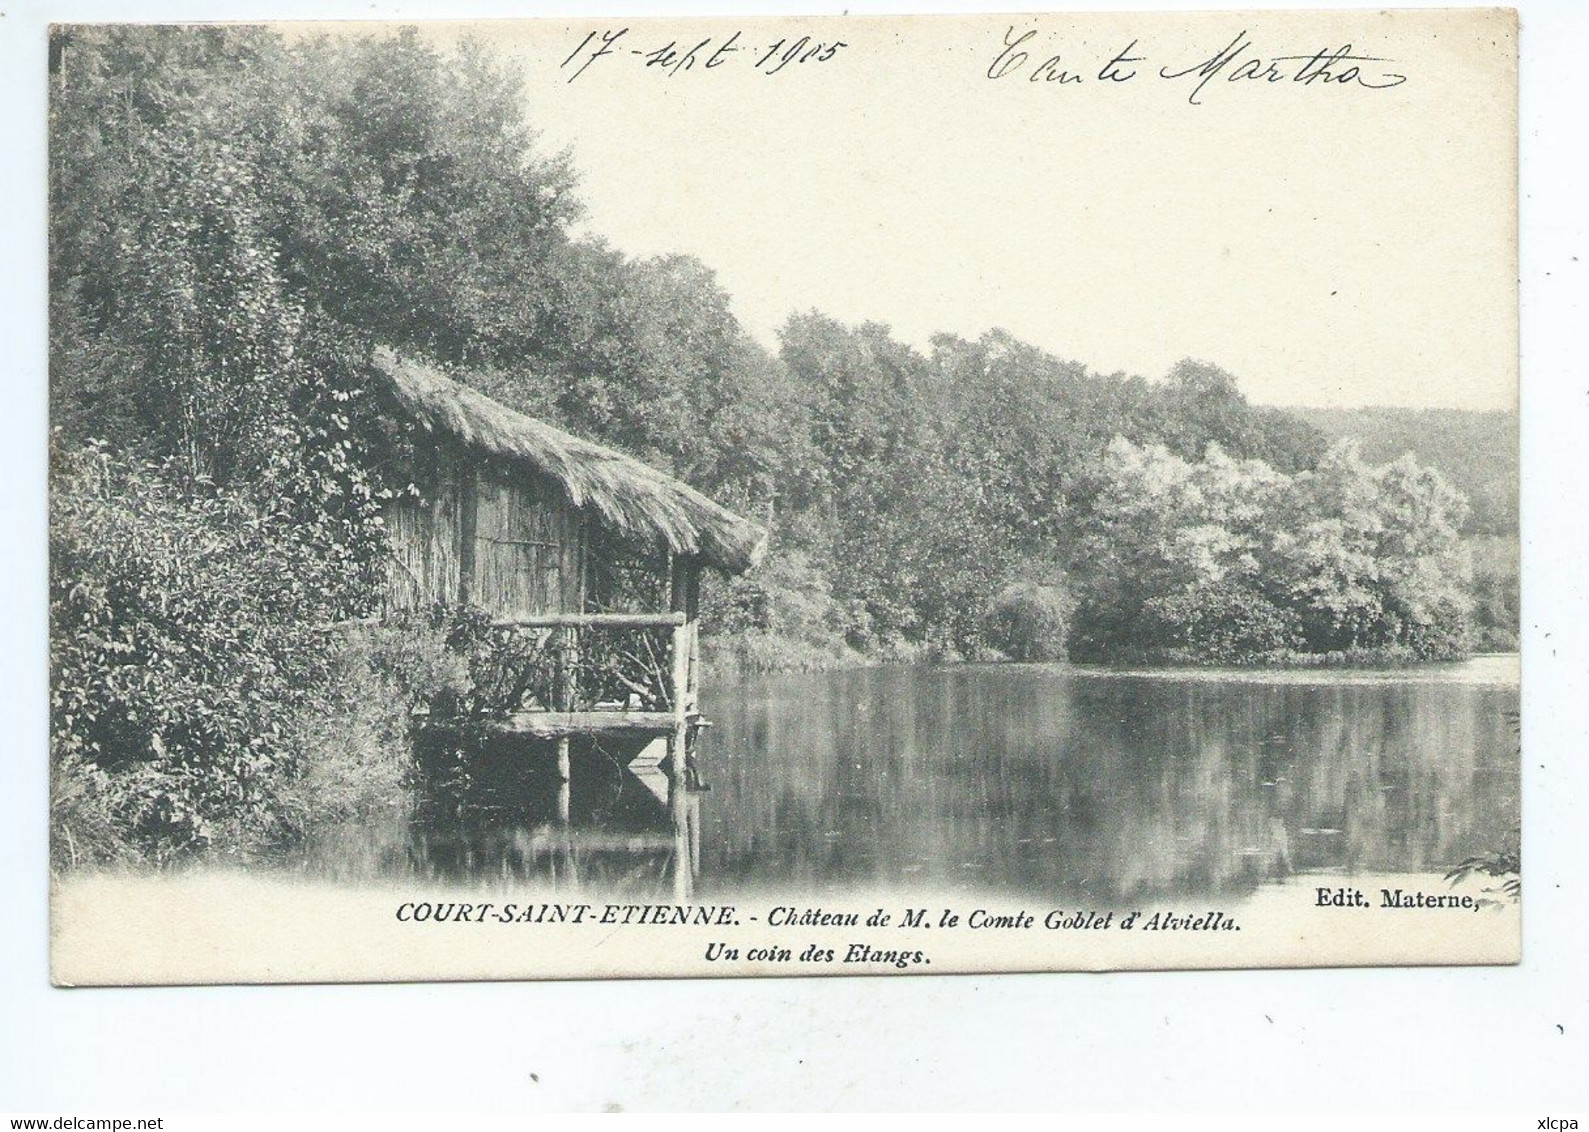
<point x="1501" y="669"/>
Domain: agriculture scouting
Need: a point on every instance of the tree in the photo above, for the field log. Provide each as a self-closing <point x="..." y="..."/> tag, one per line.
<point x="235" y="221"/>
<point x="1200" y="404"/>
<point x="238" y="220"/>
<point x="1226" y="559"/>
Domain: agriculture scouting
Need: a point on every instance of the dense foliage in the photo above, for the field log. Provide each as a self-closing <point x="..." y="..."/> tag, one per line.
<point x="929" y="484"/>
<point x="201" y="695"/>
<point x="235" y="222"/>
<point x="1476" y="451"/>
<point x="239" y="218"/>
<point x="1229" y="560"/>
<point x="1029" y="622"/>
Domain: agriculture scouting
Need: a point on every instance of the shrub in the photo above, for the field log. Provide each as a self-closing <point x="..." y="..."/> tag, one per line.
<point x="758" y="651"/>
<point x="354" y="752"/>
<point x="1224" y="624"/>
<point x="781" y="616"/>
<point x="1443" y="633"/>
<point x="1496" y="618"/>
<point x="206" y="694"/>
<point x="176" y="660"/>
<point x="1029" y="622"/>
<point x="83" y="824"/>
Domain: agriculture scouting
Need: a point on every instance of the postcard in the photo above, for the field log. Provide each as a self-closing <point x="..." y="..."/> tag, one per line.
<point x="609" y="498"/>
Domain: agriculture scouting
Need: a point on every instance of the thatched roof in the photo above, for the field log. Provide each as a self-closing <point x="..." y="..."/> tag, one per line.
<point x="633" y="497"/>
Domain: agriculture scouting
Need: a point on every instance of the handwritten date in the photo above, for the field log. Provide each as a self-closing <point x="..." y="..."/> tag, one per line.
<point x="678" y="56"/>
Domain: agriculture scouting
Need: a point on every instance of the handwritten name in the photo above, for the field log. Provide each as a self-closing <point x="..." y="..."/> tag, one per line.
<point x="1022" y="55"/>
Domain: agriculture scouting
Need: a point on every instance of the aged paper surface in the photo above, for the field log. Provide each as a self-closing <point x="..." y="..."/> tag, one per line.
<point x="1069" y="462"/>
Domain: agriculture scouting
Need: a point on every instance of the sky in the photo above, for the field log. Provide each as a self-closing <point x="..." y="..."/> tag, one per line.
<point x="1329" y="244"/>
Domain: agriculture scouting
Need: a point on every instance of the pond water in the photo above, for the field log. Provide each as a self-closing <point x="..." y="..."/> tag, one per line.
<point x="1025" y="780"/>
<point x="1047" y="780"/>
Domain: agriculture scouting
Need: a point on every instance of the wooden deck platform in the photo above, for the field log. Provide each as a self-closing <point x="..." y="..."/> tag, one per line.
<point x="560" y="724"/>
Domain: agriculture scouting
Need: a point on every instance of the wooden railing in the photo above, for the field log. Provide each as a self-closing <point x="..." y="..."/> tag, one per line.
<point x="665" y="683"/>
<point x="560" y="674"/>
<point x="554" y="676"/>
<point x="595" y="620"/>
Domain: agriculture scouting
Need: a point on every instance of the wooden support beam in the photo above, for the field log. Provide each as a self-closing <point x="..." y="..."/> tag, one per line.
<point x="468" y="526"/>
<point x="692" y="614"/>
<point x="567" y="674"/>
<point x="552" y="724"/>
<point x="553" y="837"/>
<point x="679" y="739"/>
<point x="594" y="621"/>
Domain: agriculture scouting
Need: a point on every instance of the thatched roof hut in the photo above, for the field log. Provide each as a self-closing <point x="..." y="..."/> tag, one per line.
<point x="511" y="504"/>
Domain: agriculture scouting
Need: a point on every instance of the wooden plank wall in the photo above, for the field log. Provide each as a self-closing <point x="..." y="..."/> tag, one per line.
<point x="424" y="536"/>
<point x="510" y="545"/>
<point x="527" y="549"/>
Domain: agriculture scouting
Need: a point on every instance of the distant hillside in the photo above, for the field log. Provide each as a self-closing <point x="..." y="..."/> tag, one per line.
<point x="1476" y="451"/>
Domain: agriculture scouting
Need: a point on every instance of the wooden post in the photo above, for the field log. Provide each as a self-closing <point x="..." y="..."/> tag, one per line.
<point x="692" y="610"/>
<point x="565" y="794"/>
<point x="695" y="834"/>
<point x="567" y="660"/>
<point x="468" y="522"/>
<point x="678" y="738"/>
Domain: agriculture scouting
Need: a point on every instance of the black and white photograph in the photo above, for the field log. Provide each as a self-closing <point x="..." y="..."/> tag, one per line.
<point x="783" y="496"/>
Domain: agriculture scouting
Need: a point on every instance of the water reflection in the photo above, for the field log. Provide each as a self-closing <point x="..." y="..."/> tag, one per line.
<point x="1046" y="781"/>
<point x="496" y="811"/>
<point x="1020" y="780"/>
